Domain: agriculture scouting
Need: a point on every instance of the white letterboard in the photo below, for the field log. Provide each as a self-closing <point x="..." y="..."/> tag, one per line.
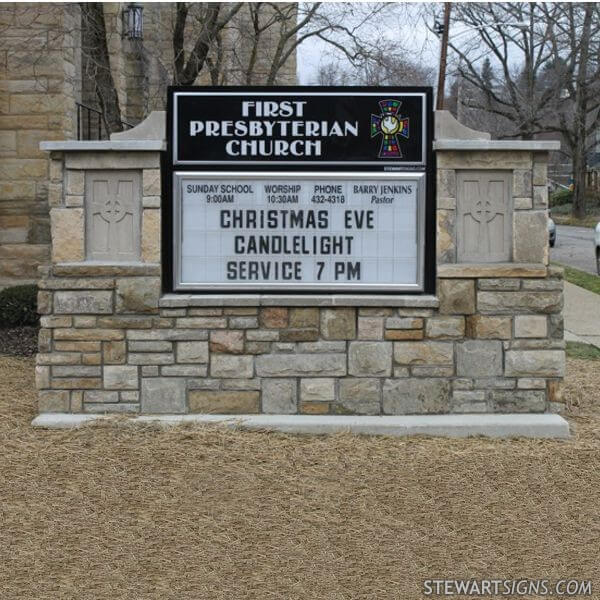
<point x="299" y="232"/>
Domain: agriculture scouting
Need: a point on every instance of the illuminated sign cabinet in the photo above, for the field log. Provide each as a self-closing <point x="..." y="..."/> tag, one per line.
<point x="300" y="189"/>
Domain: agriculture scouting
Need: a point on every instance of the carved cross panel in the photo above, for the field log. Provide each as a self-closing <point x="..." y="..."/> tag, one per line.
<point x="112" y="205"/>
<point x="484" y="216"/>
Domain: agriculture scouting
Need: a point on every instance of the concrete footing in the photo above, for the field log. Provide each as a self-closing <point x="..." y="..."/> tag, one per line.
<point x="457" y="426"/>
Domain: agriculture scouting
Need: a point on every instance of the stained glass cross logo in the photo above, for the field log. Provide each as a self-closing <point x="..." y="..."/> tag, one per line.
<point x="389" y="125"/>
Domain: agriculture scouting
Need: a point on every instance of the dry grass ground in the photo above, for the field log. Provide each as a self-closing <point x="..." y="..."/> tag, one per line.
<point x="112" y="512"/>
<point x="587" y="221"/>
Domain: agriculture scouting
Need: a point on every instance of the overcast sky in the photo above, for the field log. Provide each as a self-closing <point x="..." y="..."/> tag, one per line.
<point x="402" y="24"/>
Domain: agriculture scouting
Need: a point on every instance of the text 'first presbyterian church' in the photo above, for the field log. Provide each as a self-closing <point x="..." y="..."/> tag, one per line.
<point x="271" y="120"/>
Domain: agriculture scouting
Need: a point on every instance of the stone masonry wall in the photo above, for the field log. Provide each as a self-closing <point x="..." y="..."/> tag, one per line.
<point x="491" y="340"/>
<point x="38" y="50"/>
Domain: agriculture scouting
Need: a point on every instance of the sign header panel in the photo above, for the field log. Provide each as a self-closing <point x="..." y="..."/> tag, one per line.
<point x="300" y="127"/>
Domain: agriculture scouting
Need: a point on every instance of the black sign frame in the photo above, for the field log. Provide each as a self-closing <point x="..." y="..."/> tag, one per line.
<point x="429" y="168"/>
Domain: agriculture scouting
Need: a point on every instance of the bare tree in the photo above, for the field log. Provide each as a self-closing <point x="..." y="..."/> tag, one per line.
<point x="365" y="53"/>
<point x="208" y="24"/>
<point x="260" y="24"/>
<point x="511" y="34"/>
<point x="259" y="41"/>
<point x="546" y="58"/>
<point x="95" y="49"/>
<point x="377" y="69"/>
<point x="387" y="68"/>
<point x="466" y="99"/>
<point x="275" y="30"/>
<point x="575" y="72"/>
<point x="332" y="73"/>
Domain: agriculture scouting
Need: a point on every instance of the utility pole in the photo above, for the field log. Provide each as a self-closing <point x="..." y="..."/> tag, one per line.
<point x="443" y="57"/>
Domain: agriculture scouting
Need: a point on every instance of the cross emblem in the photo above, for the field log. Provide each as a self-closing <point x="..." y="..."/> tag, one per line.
<point x="112" y="211"/>
<point x="389" y="125"/>
<point x="484" y="213"/>
<point x="113" y="200"/>
<point x="112" y="216"/>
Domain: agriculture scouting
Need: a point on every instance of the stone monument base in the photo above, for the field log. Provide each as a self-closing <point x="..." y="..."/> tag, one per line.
<point x="482" y="354"/>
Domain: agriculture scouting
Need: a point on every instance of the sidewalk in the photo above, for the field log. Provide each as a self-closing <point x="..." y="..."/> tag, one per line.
<point x="582" y="315"/>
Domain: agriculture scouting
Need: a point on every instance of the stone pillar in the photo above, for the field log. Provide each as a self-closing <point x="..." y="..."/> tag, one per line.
<point x="104" y="275"/>
<point x="492" y="249"/>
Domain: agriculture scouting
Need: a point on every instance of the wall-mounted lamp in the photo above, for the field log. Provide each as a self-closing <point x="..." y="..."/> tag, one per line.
<point x="133" y="24"/>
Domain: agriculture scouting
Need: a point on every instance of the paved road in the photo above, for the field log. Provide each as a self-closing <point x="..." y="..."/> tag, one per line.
<point x="574" y="247"/>
<point x="582" y="315"/>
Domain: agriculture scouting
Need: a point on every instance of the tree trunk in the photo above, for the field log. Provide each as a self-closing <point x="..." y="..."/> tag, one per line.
<point x="187" y="72"/>
<point x="581" y="110"/>
<point x="95" y="46"/>
<point x="579" y="175"/>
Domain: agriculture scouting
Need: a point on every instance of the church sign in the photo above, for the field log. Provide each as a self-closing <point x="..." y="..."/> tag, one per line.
<point x="300" y="189"/>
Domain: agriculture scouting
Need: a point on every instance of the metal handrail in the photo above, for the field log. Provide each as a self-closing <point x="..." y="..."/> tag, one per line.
<point x="84" y="113"/>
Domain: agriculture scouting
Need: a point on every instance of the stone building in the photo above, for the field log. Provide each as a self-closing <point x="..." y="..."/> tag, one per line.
<point x="44" y="74"/>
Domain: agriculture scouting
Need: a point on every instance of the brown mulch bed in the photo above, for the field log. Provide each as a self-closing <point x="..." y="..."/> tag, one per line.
<point x="19" y="341"/>
<point x="114" y="512"/>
